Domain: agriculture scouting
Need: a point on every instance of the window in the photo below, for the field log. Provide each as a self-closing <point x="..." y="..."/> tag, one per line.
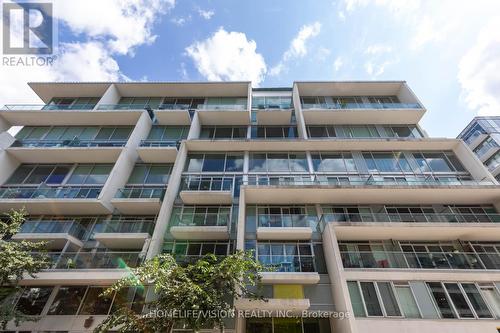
<point x="67" y="300"/>
<point x="321" y="131"/>
<point x="32" y="174"/>
<point x="459" y="300"/>
<point x="278" y="162"/>
<point x="406" y="300"/>
<point x="492" y="297"/>
<point x="32" y="300"/>
<point x="438" y="162"/>
<point x="93" y="304"/>
<point x="378" y="299"/>
<point x="333" y="162"/>
<point x="386" y="162"/>
<point x="223" y="132"/>
<point x="274" y="132"/>
<point x="90" y="174"/>
<point x="214" y="163"/>
<point x="147" y="174"/>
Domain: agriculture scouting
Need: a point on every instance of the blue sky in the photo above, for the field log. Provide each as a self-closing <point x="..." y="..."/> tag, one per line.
<point x="448" y="51"/>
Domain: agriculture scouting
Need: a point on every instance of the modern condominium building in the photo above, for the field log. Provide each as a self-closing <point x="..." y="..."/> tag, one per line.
<point x="332" y="184"/>
<point x="482" y="135"/>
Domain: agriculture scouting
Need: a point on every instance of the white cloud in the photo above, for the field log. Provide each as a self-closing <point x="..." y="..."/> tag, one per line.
<point x="479" y="71"/>
<point x="377" y="49"/>
<point x="109" y="28"/>
<point x="124" y="23"/>
<point x="228" y="56"/>
<point x="374" y="69"/>
<point x="297" y="48"/>
<point x="395" y="6"/>
<point x="338" y="63"/>
<point x="180" y="21"/>
<point x="206" y="14"/>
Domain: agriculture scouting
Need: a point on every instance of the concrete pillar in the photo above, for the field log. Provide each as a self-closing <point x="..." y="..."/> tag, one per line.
<point x="240" y="228"/>
<point x="340" y="292"/>
<point x="111" y="96"/>
<point x="301" y="126"/>
<point x="126" y="161"/>
<point x="167" y="206"/>
<point x="472" y="163"/>
<point x="195" y="128"/>
<point x="4" y="125"/>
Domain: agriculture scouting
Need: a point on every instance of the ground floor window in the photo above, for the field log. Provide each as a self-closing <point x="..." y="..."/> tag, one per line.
<point x="287" y="325"/>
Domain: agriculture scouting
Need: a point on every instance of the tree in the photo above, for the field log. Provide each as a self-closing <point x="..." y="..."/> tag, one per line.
<point x="16" y="260"/>
<point x="209" y="284"/>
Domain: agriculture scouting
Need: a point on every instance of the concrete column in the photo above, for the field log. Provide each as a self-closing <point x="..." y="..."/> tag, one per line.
<point x="111" y="96"/>
<point x="301" y="126"/>
<point x="4" y="125"/>
<point x="239" y="326"/>
<point x="240" y="227"/>
<point x="340" y="292"/>
<point x="195" y="128"/>
<point x="163" y="218"/>
<point x="8" y="163"/>
<point x="126" y="161"/>
<point x="472" y="163"/>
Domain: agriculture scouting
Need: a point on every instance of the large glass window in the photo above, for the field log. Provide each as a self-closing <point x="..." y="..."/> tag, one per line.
<point x="230" y="162"/>
<point x="438" y="162"/>
<point x="278" y="162"/>
<point x="223" y="132"/>
<point x="406" y="300"/>
<point x="90" y="174"/>
<point x="333" y="162"/>
<point x="150" y="174"/>
<point x="33" y="299"/>
<point x="168" y="133"/>
<point x="94" y="304"/>
<point x="67" y="300"/>
<point x="274" y="132"/>
<point x="372" y="304"/>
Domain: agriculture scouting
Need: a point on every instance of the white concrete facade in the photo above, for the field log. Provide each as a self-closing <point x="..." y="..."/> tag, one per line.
<point x="337" y="200"/>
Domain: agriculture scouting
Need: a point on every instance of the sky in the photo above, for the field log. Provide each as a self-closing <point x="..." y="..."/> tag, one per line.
<point x="447" y="50"/>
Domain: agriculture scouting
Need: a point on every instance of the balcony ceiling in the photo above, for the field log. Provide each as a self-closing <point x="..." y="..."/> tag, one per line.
<point x="47" y="90"/>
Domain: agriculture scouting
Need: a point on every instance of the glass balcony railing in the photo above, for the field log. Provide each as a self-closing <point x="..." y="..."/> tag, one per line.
<point x="97" y="260"/>
<point x="288" y="263"/>
<point x="287" y="221"/>
<point x="413" y="217"/>
<point x="420" y="260"/>
<point x="359" y="180"/>
<point x="70" y="227"/>
<point x="280" y="106"/>
<point x="201" y="219"/>
<point x="47" y="107"/>
<point x="124" y="226"/>
<point x="69" y="143"/>
<point x="201" y="183"/>
<point x="46" y="192"/>
<point x="222" y="107"/>
<point x="114" y="107"/>
<point x="486" y="148"/>
<point x="159" y="143"/>
<point x="141" y="192"/>
<point x="344" y="106"/>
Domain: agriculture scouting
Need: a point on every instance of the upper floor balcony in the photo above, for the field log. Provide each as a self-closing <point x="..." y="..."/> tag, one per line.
<point x="286" y="226"/>
<point x="272" y="110"/>
<point x="201" y="226"/>
<point x="358" y="103"/>
<point x="140" y="199"/>
<point x="94" y="260"/>
<point x="125" y="232"/>
<point x="198" y="189"/>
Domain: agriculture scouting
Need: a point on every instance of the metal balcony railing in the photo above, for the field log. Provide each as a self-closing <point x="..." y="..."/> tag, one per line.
<point x="201" y="219"/>
<point x="124" y="226"/>
<point x="369" y="106"/>
<point x="358" y="180"/>
<point x="159" y="143"/>
<point x="169" y="106"/>
<point x="141" y="192"/>
<point x="288" y="263"/>
<point x="49" y="192"/>
<point x="48" y="107"/>
<point x="96" y="260"/>
<point x="206" y="183"/>
<point x="411" y="217"/>
<point x="287" y="221"/>
<point x="70" y="227"/>
<point x="420" y="260"/>
<point x="69" y="143"/>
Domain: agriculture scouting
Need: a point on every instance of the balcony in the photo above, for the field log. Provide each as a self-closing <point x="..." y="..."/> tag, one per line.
<point x="56" y="200"/>
<point x="64" y="151"/>
<point x="207" y="190"/>
<point x="209" y="226"/>
<point x="362" y="113"/>
<point x="289" y="269"/>
<point x="139" y="200"/>
<point x="123" y="234"/>
<point x="56" y="232"/>
<point x="174" y="114"/>
<point x="94" y="260"/>
<point x="53" y="115"/>
<point x="156" y="151"/>
<point x="224" y="114"/>
<point x="420" y="260"/>
<point x="348" y="189"/>
<point x="428" y="226"/>
<point x="273" y="114"/>
<point x="286" y="227"/>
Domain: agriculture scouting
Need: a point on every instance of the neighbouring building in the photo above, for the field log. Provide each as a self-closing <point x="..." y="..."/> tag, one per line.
<point x="333" y="184"/>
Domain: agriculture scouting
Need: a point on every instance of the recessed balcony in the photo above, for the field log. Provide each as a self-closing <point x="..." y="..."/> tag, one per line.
<point x="174" y="114"/>
<point x="207" y="190"/>
<point x="420" y="260"/>
<point x="46" y="199"/>
<point x="224" y="114"/>
<point x="65" y="151"/>
<point x="209" y="226"/>
<point x="53" y="115"/>
<point x="286" y="227"/>
<point x="273" y="114"/>
<point x="156" y="151"/>
<point x="123" y="234"/>
<point x="139" y="199"/>
<point x="55" y="232"/>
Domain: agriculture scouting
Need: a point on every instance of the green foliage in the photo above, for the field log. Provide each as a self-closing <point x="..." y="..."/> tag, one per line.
<point x="209" y="284"/>
<point x="16" y="260"/>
